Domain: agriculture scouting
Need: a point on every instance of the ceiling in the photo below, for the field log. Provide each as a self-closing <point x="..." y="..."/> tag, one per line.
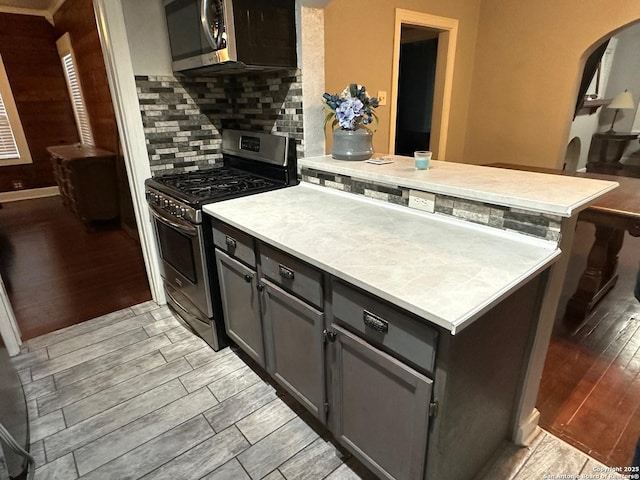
<point x="45" y="8"/>
<point x="29" y="4"/>
<point x="52" y="5"/>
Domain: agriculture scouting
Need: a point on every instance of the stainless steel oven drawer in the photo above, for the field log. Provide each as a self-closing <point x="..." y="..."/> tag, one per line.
<point x="293" y="275"/>
<point x="384" y="325"/>
<point x="234" y="243"/>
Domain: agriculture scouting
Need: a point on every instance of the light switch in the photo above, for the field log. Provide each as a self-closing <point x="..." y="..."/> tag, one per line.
<point x="382" y="97"/>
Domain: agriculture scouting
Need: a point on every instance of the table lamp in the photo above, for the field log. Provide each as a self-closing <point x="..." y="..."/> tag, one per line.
<point x="622" y="101"/>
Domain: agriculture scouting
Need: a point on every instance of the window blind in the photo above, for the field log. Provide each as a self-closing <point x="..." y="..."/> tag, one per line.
<point x="8" y="147"/>
<point x="82" y="118"/>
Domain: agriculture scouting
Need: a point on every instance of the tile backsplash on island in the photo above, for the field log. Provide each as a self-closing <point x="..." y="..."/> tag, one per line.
<point x="540" y="225"/>
<point x="183" y="116"/>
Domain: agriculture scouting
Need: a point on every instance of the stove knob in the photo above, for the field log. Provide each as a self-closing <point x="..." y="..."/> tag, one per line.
<point x="166" y="204"/>
<point x="182" y="212"/>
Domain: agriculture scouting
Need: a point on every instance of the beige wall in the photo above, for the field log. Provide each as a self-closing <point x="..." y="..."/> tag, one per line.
<point x="528" y="65"/>
<point x="517" y="71"/>
<point x="359" y="48"/>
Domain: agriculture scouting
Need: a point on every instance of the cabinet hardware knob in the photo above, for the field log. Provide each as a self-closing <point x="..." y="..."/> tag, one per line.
<point x="260" y="287"/>
<point x="248" y="278"/>
<point x="329" y="335"/>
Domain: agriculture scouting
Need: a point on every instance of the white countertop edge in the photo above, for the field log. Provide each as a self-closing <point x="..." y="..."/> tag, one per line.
<point x="468" y="318"/>
<point x="472" y="315"/>
<point x="538" y="206"/>
<point x="578" y="207"/>
<point x="455" y="326"/>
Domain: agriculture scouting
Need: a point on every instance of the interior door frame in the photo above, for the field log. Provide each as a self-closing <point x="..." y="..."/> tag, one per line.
<point x="115" y="45"/>
<point x="447" y="40"/>
<point x="9" y="330"/>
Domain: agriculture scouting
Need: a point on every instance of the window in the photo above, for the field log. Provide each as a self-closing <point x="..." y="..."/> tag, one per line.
<point x="13" y="144"/>
<point x="8" y="147"/>
<point x="75" y="89"/>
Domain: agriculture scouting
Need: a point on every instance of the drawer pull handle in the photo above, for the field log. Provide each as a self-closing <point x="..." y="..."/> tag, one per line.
<point x="231" y="243"/>
<point x="285" y="272"/>
<point x="375" y="322"/>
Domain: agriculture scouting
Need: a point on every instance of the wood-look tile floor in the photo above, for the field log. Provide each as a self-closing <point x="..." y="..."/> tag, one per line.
<point x="134" y="394"/>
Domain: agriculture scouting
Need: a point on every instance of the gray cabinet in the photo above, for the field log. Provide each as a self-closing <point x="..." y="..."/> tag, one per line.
<point x="368" y="381"/>
<point x="407" y="398"/>
<point x="241" y="305"/>
<point x="380" y="408"/>
<point x="294" y="345"/>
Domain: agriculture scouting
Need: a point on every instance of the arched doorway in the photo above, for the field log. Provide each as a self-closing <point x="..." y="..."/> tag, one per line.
<point x="590" y="388"/>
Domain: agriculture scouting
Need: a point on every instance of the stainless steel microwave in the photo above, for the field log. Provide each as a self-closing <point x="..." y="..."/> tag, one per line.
<point x="213" y="35"/>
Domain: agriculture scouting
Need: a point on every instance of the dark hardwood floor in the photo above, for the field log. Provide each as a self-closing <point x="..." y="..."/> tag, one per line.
<point x="58" y="274"/>
<point x="590" y="390"/>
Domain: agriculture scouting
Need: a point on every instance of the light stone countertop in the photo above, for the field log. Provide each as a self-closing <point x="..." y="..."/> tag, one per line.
<point x="445" y="270"/>
<point x="540" y="192"/>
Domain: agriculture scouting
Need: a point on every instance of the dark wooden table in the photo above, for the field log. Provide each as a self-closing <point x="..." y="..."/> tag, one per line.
<point x="610" y="150"/>
<point x="613" y="214"/>
<point x="619" y="140"/>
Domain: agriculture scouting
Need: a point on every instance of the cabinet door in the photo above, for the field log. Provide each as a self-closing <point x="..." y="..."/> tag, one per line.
<point x="381" y="407"/>
<point x="240" y="304"/>
<point x="295" y="358"/>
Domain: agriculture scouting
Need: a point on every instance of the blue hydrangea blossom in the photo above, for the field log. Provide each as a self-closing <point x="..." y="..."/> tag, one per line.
<point x="352" y="108"/>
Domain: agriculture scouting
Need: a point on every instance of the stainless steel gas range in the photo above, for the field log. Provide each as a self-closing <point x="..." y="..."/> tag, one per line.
<point x="253" y="162"/>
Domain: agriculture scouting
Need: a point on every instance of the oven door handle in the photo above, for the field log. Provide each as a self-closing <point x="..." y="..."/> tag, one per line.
<point x="182" y="227"/>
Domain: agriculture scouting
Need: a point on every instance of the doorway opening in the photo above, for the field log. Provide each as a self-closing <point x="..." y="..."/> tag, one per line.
<point x="416" y="82"/>
<point x="420" y="107"/>
<point x="64" y="263"/>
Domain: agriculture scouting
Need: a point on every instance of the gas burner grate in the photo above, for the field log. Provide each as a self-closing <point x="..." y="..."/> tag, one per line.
<point x="202" y="185"/>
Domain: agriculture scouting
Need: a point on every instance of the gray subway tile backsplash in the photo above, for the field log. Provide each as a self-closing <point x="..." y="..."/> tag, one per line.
<point x="183" y="116"/>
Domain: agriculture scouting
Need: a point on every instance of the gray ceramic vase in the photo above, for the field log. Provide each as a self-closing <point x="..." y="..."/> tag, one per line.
<point x="352" y="144"/>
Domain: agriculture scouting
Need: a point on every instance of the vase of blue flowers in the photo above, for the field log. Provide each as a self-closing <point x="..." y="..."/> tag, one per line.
<point x="350" y="113"/>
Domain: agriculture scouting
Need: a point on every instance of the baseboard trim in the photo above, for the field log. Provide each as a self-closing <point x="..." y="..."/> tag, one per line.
<point x="29" y="194"/>
<point x="526" y="433"/>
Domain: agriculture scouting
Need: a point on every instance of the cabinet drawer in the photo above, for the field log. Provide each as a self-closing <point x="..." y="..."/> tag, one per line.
<point x="234" y="243"/>
<point x="383" y="324"/>
<point x="293" y="275"/>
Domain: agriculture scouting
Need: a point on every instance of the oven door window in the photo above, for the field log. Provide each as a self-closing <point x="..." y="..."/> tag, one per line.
<point x="177" y="250"/>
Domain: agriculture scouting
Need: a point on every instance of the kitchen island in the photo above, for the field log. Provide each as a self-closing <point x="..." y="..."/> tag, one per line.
<point x="408" y="333"/>
<point x="529" y="191"/>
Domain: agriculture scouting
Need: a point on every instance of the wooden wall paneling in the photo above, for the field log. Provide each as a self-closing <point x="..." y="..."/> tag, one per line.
<point x="77" y="17"/>
<point x="27" y="46"/>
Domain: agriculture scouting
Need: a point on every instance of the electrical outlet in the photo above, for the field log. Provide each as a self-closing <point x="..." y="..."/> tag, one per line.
<point x="17" y="184"/>
<point x="422" y="201"/>
<point x="382" y="97"/>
